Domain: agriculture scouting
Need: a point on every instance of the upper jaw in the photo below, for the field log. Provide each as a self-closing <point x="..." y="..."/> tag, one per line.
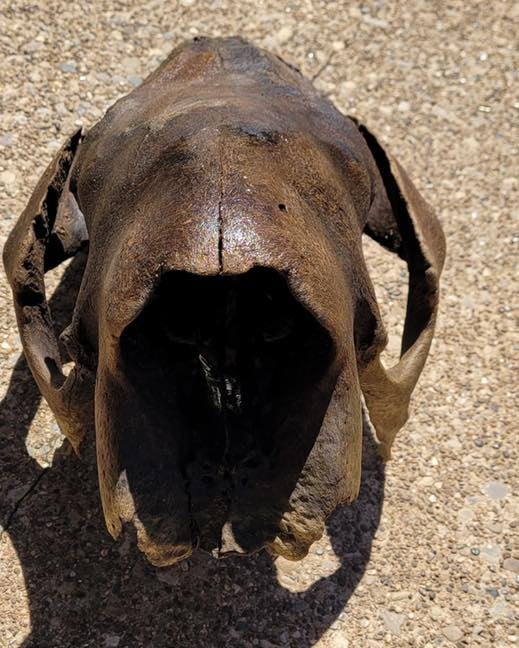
<point x="192" y="464"/>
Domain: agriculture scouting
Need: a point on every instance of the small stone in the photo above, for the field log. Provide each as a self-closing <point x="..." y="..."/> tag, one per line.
<point x="435" y="612"/>
<point x="500" y="609"/>
<point x="465" y="515"/>
<point x="491" y="553"/>
<point x="131" y="64"/>
<point x="284" y="35"/>
<point x="399" y="596"/>
<point x="492" y="592"/>
<point x="112" y="641"/>
<point x="68" y="68"/>
<point x="319" y="551"/>
<point x="8" y="178"/>
<point x="511" y="564"/>
<point x="338" y="641"/>
<point x="509" y="183"/>
<point x="338" y="45"/>
<point x="6" y="139"/>
<point x="375" y="22"/>
<point x="452" y="633"/>
<point x="32" y="47"/>
<point x="187" y="3"/>
<point x="404" y="106"/>
<point x="392" y="621"/>
<point x="496" y="490"/>
<point x="347" y="87"/>
<point x="471" y="144"/>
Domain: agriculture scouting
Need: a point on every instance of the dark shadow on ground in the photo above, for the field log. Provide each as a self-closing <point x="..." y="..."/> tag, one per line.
<point x="84" y="589"/>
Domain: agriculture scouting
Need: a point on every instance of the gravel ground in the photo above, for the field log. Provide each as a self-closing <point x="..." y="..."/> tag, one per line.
<point x="429" y="555"/>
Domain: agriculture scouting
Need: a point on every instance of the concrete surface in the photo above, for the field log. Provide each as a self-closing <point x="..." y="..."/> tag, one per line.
<point x="429" y="555"/>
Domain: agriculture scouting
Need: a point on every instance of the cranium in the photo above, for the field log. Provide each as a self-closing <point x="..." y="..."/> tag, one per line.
<point x="226" y="327"/>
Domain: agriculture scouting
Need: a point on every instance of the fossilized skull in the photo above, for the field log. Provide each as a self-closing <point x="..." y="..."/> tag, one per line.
<point x="226" y="325"/>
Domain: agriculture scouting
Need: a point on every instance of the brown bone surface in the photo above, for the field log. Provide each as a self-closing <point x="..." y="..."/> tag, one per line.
<point x="226" y="327"/>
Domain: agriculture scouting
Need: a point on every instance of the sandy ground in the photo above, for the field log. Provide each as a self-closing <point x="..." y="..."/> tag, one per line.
<point x="429" y="555"/>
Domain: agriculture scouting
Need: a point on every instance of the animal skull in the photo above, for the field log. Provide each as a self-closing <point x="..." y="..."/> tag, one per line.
<point x="226" y="325"/>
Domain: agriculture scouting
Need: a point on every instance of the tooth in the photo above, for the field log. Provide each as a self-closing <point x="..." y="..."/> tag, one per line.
<point x="228" y="541"/>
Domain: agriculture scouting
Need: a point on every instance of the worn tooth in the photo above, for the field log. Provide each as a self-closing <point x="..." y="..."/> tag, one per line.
<point x="228" y="543"/>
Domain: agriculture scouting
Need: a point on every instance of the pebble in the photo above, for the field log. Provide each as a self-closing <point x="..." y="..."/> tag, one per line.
<point x="6" y="139"/>
<point x="465" y="515"/>
<point x="435" y="612"/>
<point x="495" y="527"/>
<point x="399" y="596"/>
<point x="68" y="68"/>
<point x="8" y="179"/>
<point x="375" y="22"/>
<point x="452" y="633"/>
<point x="31" y="47"/>
<point x="284" y="35"/>
<point x="495" y="490"/>
<point x="338" y="641"/>
<point x="112" y="641"/>
<point x="511" y="564"/>
<point x="500" y="609"/>
<point x="392" y="621"/>
<point x="131" y="64"/>
<point x="491" y="553"/>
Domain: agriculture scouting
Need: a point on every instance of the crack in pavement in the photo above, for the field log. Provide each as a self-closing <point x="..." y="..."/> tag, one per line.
<point x="17" y="505"/>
